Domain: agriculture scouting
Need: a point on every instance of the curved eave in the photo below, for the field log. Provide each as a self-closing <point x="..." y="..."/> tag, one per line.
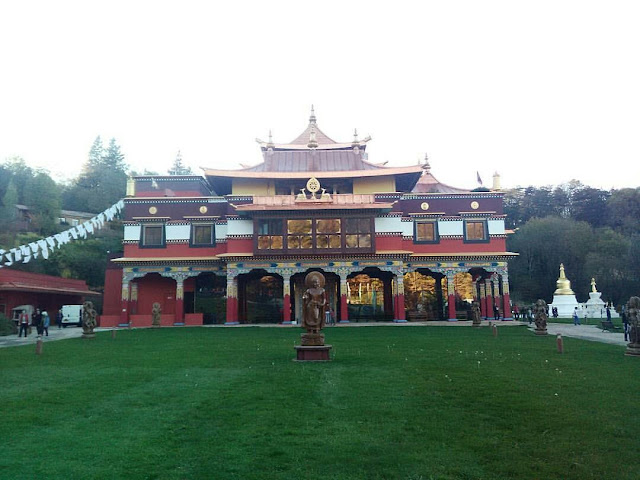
<point x="156" y="260"/>
<point x="469" y="255"/>
<point x="18" y="287"/>
<point x="381" y="171"/>
<point x="322" y="146"/>
<point x="313" y="206"/>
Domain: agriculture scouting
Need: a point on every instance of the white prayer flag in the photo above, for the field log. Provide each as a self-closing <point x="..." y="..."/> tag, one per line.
<point x="81" y="231"/>
<point x="44" y="249"/>
<point x="88" y="226"/>
<point x="73" y="232"/>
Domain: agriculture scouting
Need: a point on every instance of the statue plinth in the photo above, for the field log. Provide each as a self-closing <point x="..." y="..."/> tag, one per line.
<point x="541" y="332"/>
<point x="312" y="353"/>
<point x="633" y="350"/>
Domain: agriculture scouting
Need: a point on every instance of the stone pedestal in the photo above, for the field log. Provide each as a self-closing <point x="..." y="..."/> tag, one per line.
<point x="633" y="350"/>
<point x="312" y="339"/>
<point x="312" y="353"/>
<point x="541" y="332"/>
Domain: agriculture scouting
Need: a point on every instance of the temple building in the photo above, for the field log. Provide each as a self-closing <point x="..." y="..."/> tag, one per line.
<point x="233" y="246"/>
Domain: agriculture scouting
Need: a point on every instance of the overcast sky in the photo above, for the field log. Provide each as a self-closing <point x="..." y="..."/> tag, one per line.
<point x="542" y="92"/>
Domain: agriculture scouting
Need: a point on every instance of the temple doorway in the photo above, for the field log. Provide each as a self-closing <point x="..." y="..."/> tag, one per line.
<point x="424" y="295"/>
<point x="207" y="295"/>
<point x="260" y="297"/>
<point x="369" y="296"/>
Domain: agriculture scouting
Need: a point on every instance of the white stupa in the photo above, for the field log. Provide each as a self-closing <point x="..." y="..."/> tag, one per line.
<point x="563" y="298"/>
<point x="595" y="307"/>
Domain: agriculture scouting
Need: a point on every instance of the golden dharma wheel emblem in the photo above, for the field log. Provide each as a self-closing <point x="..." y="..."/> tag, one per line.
<point x="313" y="185"/>
<point x="424" y="206"/>
<point x="153" y="210"/>
<point x="475" y="205"/>
<point x="203" y="209"/>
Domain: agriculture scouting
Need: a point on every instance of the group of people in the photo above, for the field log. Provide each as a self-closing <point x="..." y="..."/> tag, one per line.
<point x="39" y="319"/>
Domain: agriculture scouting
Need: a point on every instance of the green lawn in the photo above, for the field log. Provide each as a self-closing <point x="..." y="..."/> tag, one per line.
<point x="395" y="403"/>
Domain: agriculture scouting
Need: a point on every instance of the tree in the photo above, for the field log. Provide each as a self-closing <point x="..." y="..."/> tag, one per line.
<point x="103" y="180"/>
<point x="623" y="210"/>
<point x="178" y="168"/>
<point x="543" y="244"/>
<point x="42" y="196"/>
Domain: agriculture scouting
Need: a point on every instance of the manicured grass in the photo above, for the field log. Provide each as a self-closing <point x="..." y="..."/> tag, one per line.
<point x="395" y="403"/>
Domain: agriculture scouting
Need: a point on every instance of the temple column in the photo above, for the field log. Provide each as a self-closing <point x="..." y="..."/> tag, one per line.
<point x="124" y="302"/>
<point x="440" y="298"/>
<point x="489" y="297"/>
<point x="506" y="298"/>
<point x="286" y="301"/>
<point x="399" y="300"/>
<point x="232" y="298"/>
<point x="451" y="295"/>
<point x="344" y="310"/>
<point x="483" y="298"/>
<point x="179" y="317"/>
<point x="133" y="302"/>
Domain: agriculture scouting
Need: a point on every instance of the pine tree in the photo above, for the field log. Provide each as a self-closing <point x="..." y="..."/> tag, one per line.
<point x="178" y="168"/>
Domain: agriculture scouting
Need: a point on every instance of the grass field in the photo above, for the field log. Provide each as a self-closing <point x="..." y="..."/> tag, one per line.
<point x="395" y="403"/>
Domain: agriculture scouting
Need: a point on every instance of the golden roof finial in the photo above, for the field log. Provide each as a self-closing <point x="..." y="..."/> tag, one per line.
<point x="593" y="285"/>
<point x="270" y="142"/>
<point x="563" y="284"/>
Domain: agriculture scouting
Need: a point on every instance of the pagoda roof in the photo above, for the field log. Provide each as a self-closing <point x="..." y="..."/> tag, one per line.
<point x="430" y="184"/>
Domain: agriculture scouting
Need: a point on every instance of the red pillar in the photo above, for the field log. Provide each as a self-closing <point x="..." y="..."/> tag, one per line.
<point x="483" y="301"/>
<point x="133" y="302"/>
<point x="400" y="315"/>
<point x="506" y="298"/>
<point x="232" y="300"/>
<point x="286" y="306"/>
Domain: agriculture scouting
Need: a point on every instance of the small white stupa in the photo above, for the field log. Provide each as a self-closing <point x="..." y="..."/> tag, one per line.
<point x="563" y="298"/>
<point x="595" y="307"/>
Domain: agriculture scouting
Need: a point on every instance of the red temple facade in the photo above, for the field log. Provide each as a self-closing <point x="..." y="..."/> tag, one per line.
<point x="234" y="246"/>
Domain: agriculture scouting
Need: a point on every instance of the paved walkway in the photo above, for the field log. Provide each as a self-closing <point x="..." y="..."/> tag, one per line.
<point x="584" y="332"/>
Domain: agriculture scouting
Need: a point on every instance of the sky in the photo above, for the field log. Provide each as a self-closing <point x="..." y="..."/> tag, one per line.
<point x="541" y="92"/>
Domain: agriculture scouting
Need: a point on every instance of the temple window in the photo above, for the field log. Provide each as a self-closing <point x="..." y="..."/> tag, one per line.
<point x="270" y="235"/>
<point x="475" y="231"/>
<point x="152" y="236"/>
<point x="426" y="232"/>
<point x="203" y="235"/>
<point x="328" y="233"/>
<point x="299" y="234"/>
<point x="358" y="232"/>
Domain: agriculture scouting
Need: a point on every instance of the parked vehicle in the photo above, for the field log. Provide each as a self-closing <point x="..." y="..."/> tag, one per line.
<point x="72" y="315"/>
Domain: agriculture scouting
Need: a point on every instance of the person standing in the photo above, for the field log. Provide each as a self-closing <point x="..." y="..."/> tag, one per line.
<point x="59" y="318"/>
<point x="625" y="323"/>
<point x="24" y="324"/>
<point x="496" y="312"/>
<point x="576" y="317"/>
<point x="36" y="321"/>
<point x="45" y="322"/>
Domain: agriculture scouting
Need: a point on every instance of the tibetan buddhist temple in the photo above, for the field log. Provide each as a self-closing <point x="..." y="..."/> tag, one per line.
<point x="234" y="245"/>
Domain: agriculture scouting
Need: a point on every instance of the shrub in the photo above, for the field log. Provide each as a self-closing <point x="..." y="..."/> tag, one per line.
<point x="7" y="326"/>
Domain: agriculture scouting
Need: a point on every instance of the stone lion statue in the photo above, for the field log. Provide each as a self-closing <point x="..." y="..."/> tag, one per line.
<point x="156" y="312"/>
<point x="88" y="318"/>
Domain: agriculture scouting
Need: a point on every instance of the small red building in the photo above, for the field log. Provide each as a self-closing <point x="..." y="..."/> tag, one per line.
<point x="234" y="246"/>
<point x="41" y="291"/>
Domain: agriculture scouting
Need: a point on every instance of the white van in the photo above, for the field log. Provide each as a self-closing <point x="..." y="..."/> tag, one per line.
<point x="72" y="315"/>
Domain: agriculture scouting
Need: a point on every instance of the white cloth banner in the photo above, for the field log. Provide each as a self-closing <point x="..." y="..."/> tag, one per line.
<point x="42" y="246"/>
